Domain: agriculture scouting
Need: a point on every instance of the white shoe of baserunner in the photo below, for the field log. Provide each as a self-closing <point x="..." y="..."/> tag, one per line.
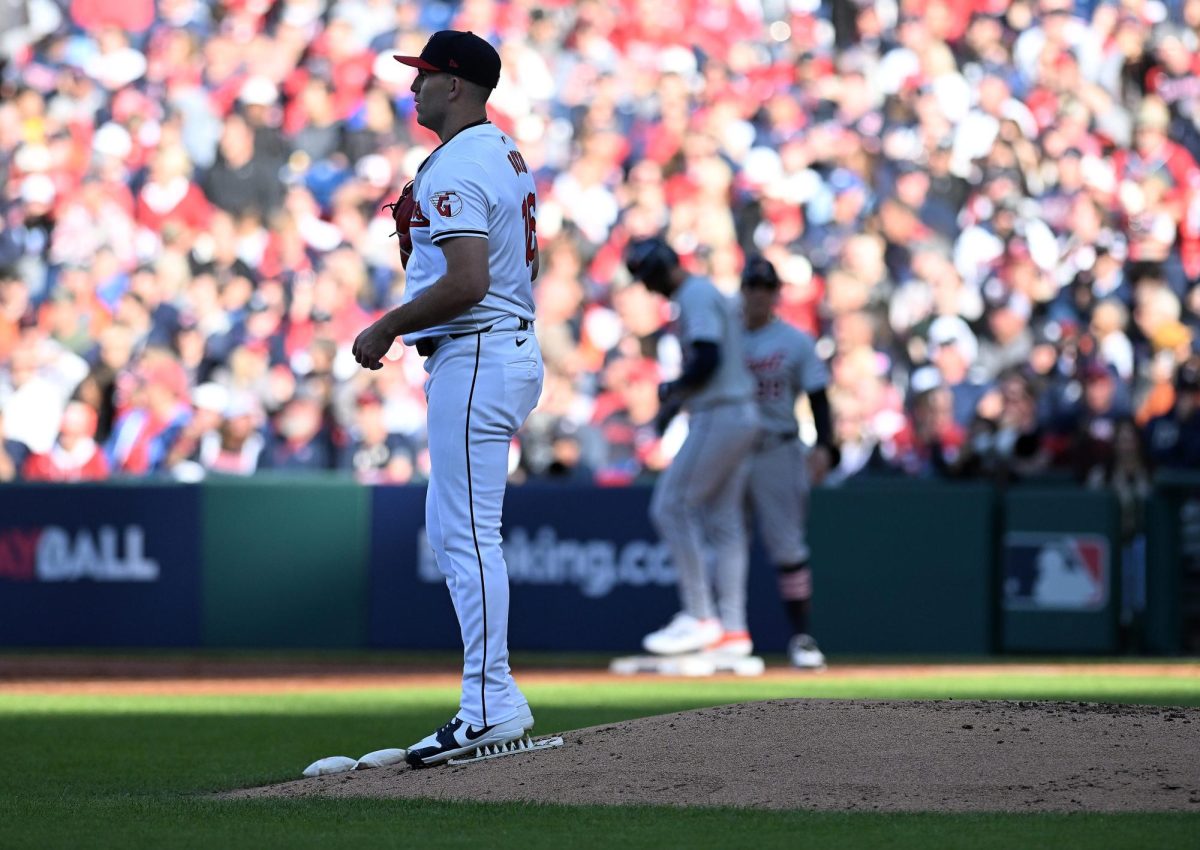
<point x="804" y="653"/>
<point x="736" y="644"/>
<point x="683" y="634"/>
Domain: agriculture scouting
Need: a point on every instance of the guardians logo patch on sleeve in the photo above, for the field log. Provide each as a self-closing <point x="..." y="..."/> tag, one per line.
<point x="447" y="204"/>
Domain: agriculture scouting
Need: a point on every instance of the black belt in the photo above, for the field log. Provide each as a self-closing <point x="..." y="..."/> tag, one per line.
<point x="429" y="344"/>
<point x="770" y="441"/>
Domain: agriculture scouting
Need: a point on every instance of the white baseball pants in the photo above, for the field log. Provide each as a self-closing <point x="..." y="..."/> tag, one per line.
<point x="480" y="389"/>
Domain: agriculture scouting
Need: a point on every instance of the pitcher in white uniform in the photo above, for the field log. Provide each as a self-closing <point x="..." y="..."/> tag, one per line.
<point x="468" y="309"/>
<point x="697" y="505"/>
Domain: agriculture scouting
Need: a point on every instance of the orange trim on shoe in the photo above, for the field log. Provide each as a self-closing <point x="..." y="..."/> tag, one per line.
<point x="728" y="638"/>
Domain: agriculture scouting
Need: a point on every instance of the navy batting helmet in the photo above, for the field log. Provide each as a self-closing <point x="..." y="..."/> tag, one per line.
<point x="759" y="273"/>
<point x="652" y="261"/>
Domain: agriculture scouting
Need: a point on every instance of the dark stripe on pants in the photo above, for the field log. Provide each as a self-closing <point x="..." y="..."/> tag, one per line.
<point x="475" y="533"/>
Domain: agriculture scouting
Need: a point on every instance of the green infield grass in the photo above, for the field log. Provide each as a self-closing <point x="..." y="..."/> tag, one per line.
<point x="133" y="771"/>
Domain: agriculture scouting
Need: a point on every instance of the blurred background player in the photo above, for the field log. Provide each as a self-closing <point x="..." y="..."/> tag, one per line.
<point x="697" y="506"/>
<point x="785" y="365"/>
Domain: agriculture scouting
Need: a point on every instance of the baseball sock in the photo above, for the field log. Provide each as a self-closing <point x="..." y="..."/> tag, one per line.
<point x="795" y="589"/>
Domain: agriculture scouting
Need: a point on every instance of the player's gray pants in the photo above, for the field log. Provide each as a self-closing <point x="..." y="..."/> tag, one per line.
<point x="778" y="494"/>
<point x="697" y="508"/>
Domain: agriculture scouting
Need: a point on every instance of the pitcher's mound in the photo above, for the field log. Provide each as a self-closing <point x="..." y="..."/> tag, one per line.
<point x="833" y="754"/>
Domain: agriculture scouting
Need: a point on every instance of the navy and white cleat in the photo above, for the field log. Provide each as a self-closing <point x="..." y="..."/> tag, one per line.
<point x="458" y="737"/>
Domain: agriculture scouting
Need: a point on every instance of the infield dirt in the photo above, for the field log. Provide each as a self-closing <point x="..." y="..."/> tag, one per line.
<point x="833" y="754"/>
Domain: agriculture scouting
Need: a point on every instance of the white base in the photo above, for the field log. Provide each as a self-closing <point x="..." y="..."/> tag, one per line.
<point x="691" y="664"/>
<point x="329" y="766"/>
<point x="381" y="758"/>
<point x="512" y="748"/>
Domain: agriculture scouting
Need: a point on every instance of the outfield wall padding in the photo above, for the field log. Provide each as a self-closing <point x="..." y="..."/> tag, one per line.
<point x="904" y="567"/>
<point x="1172" y="622"/>
<point x="899" y="566"/>
<point x="285" y="563"/>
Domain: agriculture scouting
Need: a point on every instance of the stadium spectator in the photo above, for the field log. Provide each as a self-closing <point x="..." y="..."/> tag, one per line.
<point x="953" y="350"/>
<point x="244" y="178"/>
<point x="623" y="418"/>
<point x="152" y="418"/>
<point x="1174" y="437"/>
<point x="236" y="445"/>
<point x="12" y="454"/>
<point x="75" y="455"/>
<point x="375" y="455"/>
<point x="35" y="387"/>
<point x="299" y="439"/>
<point x="1128" y="475"/>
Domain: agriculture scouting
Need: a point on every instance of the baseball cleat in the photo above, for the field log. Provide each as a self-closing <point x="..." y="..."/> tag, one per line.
<point x="458" y="737"/>
<point x="684" y="633"/>
<point x="512" y="748"/>
<point x="804" y="653"/>
<point x="732" y="643"/>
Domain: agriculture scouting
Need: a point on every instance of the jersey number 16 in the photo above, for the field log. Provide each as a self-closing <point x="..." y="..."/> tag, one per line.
<point x="528" y="211"/>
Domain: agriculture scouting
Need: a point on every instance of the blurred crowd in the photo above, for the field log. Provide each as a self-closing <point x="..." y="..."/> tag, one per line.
<point x="988" y="213"/>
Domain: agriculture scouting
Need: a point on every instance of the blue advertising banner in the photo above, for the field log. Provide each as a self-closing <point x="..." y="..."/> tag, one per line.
<point x="586" y="570"/>
<point x="88" y="565"/>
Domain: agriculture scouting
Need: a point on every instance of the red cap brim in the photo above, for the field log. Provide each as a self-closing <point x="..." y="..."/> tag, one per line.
<point x="415" y="62"/>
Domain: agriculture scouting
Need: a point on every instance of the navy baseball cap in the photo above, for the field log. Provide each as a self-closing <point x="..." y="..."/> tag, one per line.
<point x="462" y="54"/>
<point x="759" y="273"/>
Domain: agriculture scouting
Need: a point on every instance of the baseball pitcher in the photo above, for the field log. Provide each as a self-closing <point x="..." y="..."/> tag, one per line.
<point x="469" y="220"/>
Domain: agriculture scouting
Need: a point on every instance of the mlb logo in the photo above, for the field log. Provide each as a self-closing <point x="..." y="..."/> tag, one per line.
<point x="1055" y="572"/>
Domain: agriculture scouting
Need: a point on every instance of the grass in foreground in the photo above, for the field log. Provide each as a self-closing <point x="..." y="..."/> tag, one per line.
<point x="129" y="772"/>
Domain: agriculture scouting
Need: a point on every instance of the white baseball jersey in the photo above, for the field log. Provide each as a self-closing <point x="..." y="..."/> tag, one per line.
<point x="784" y="362"/>
<point x="706" y="315"/>
<point x="476" y="185"/>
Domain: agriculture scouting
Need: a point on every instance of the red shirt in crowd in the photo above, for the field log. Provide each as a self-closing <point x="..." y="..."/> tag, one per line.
<point x="86" y="462"/>
<point x="128" y="15"/>
<point x="184" y="203"/>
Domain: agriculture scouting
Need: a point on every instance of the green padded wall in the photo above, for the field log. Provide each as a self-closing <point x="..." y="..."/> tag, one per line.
<point x="903" y="567"/>
<point x="285" y="562"/>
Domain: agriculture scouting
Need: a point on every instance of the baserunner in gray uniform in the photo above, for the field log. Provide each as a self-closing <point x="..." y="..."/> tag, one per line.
<point x="785" y="364"/>
<point x="698" y="502"/>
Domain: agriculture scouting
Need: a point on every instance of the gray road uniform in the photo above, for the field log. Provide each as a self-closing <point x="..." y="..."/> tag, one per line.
<point x="785" y="364"/>
<point x="698" y="502"/>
